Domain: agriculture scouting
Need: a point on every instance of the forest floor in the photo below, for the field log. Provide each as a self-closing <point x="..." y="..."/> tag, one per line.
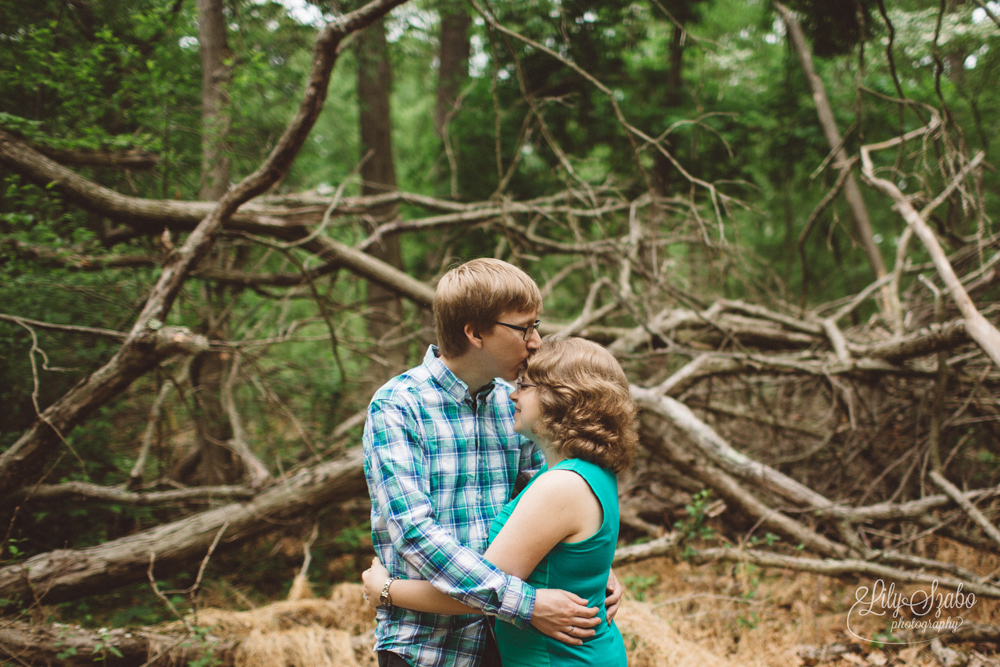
<point x="674" y="615"/>
<point x="678" y="615"/>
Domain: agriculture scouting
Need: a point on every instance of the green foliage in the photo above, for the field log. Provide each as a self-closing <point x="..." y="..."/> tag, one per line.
<point x="694" y="527"/>
<point x="883" y="637"/>
<point x="103" y="648"/>
<point x="353" y="537"/>
<point x="205" y="644"/>
<point x="31" y="218"/>
<point x="88" y="83"/>
<point x="638" y="585"/>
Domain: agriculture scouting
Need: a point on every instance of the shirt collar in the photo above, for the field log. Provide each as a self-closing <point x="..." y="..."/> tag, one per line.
<point x="448" y="381"/>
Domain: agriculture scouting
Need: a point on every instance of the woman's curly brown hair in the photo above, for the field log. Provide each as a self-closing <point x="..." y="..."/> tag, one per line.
<point x="587" y="408"/>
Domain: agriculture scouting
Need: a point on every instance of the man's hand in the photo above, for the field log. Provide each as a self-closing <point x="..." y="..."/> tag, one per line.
<point x="614" y="599"/>
<point x="563" y="616"/>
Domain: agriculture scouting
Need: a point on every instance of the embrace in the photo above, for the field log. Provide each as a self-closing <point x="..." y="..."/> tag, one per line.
<point x="491" y="469"/>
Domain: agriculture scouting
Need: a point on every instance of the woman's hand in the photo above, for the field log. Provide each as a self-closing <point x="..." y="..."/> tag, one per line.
<point x="374" y="579"/>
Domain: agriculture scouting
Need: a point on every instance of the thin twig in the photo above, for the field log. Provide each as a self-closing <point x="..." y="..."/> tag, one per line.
<point x="955" y="494"/>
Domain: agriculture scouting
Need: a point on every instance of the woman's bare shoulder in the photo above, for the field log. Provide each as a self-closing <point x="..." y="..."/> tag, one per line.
<point x="557" y="486"/>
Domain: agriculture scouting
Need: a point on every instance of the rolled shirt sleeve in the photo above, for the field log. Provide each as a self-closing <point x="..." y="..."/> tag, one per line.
<point x="416" y="460"/>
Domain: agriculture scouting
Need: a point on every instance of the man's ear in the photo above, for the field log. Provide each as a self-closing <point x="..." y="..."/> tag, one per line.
<point x="472" y="335"/>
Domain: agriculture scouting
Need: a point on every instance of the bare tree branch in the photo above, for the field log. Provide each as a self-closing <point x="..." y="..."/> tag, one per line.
<point x="70" y="328"/>
<point x="256" y="472"/>
<point x="978" y="327"/>
<point x="838" y="567"/>
<point x="119" y="495"/>
<point x="952" y="492"/>
<point x="70" y="573"/>
<point x="130" y="158"/>
<point x="151" y="216"/>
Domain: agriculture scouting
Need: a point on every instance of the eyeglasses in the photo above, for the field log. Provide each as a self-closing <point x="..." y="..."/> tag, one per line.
<point x="521" y="384"/>
<point x="528" y="330"/>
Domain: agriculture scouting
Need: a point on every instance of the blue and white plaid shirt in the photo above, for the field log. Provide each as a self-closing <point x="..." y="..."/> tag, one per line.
<point x="440" y="466"/>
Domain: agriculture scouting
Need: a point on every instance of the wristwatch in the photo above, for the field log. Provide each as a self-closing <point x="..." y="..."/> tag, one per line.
<point x="384" y="599"/>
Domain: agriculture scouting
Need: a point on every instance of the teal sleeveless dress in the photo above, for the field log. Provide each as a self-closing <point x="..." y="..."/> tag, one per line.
<point x="578" y="567"/>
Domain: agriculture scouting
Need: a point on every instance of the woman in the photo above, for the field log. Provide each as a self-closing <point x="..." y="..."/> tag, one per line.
<point x="562" y="529"/>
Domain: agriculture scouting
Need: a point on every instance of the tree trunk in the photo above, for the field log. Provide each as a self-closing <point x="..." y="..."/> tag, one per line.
<point x="70" y="573"/>
<point x="675" y="66"/>
<point x="69" y="646"/>
<point x="378" y="173"/>
<point x="212" y="463"/>
<point x="453" y="56"/>
<point x="215" y="79"/>
<point x="859" y="212"/>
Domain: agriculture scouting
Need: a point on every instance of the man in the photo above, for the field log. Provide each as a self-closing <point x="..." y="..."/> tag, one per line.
<point x="441" y="459"/>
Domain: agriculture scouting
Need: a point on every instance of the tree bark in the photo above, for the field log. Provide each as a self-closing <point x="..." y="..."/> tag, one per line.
<point x="213" y="461"/>
<point x="70" y="573"/>
<point x="453" y="58"/>
<point x="32" y="644"/>
<point x="129" y="158"/>
<point x="142" y="351"/>
<point x="378" y="174"/>
<point x="978" y="327"/>
<point x="215" y="78"/>
<point x="859" y="212"/>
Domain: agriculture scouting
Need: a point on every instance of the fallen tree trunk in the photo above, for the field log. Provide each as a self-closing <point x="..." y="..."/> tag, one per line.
<point x="71" y="646"/>
<point x="142" y="351"/>
<point x="668" y="545"/>
<point x="768" y="329"/>
<point x="70" y="573"/>
<point x="771" y="499"/>
<point x="843" y="567"/>
<point x="333" y="630"/>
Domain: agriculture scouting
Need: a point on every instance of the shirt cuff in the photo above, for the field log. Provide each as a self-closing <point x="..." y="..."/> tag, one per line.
<point x="517" y="604"/>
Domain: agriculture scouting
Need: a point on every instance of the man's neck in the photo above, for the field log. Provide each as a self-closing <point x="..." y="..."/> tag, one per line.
<point x="468" y="370"/>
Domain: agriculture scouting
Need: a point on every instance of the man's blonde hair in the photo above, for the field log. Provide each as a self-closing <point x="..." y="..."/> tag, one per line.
<point x="476" y="293"/>
<point x="587" y="407"/>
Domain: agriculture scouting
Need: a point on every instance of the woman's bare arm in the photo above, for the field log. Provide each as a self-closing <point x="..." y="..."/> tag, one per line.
<point x="552" y="509"/>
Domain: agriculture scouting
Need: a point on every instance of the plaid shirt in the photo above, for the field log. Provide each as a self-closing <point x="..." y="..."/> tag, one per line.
<point x="440" y="466"/>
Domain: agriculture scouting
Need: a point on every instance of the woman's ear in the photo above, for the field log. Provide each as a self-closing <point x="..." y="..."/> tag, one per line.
<point x="472" y="335"/>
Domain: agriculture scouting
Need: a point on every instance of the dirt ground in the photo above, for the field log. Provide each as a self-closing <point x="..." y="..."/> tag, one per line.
<point x="678" y="615"/>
